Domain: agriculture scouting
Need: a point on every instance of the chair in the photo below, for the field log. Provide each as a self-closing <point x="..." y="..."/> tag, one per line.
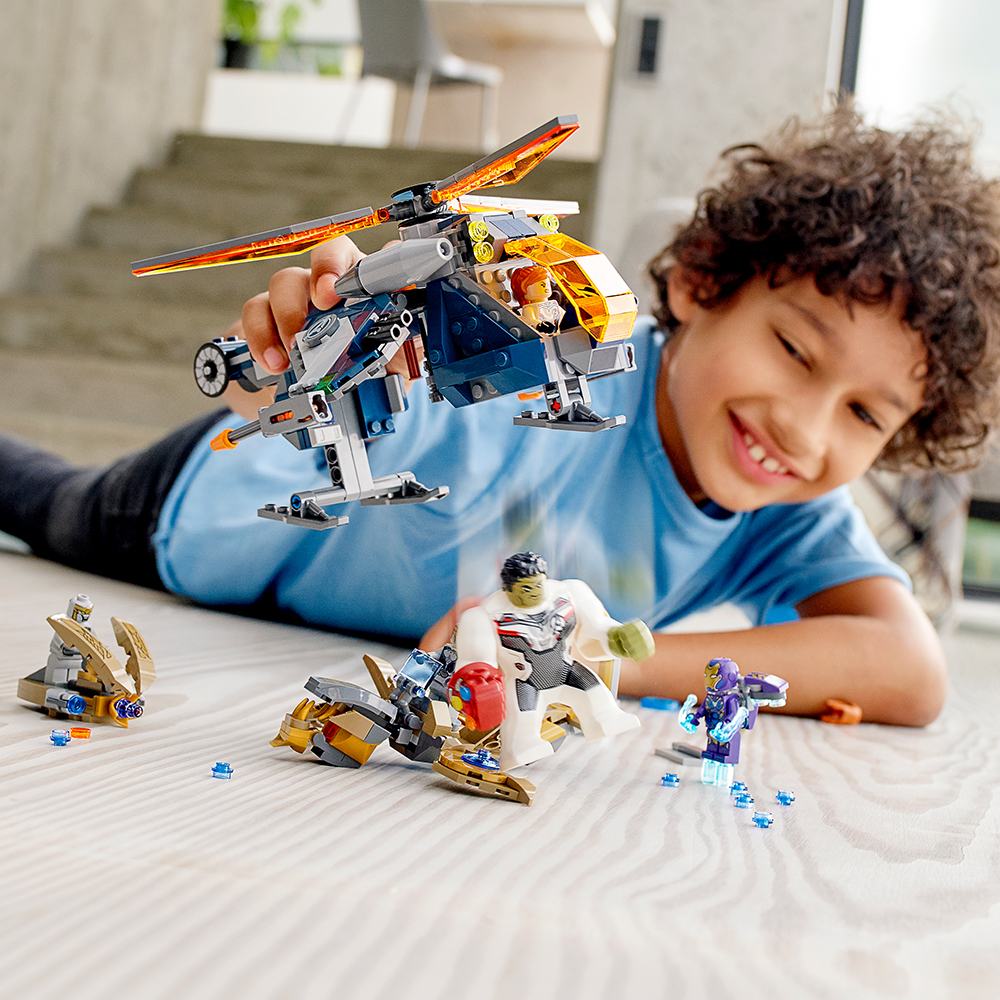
<point x="401" y="44"/>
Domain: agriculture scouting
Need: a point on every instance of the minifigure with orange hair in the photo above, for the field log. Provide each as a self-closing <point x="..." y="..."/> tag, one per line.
<point x="532" y="288"/>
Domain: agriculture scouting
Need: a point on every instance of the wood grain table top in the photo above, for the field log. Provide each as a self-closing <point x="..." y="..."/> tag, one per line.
<point x="128" y="871"/>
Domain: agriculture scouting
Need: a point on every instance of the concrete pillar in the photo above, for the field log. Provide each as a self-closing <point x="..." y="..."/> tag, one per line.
<point x="89" y="90"/>
<point x="726" y="71"/>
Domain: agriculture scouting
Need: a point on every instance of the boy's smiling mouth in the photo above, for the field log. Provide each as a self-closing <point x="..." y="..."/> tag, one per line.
<point x="756" y="458"/>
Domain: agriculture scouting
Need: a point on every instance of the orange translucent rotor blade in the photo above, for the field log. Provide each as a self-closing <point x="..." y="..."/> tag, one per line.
<point x="275" y="243"/>
<point x="507" y="165"/>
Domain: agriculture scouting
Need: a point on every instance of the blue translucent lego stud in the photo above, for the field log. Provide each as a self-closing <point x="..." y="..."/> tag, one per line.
<point x="670" y="780"/>
<point x="744" y="800"/>
<point x="222" y="770"/>
<point x="127" y="709"/>
<point x="763" y="819"/>
<point x="785" y="798"/>
<point x="75" y="705"/>
<point x="60" y="737"/>
<point x="737" y="788"/>
<point x="482" y="759"/>
<point x="660" y="704"/>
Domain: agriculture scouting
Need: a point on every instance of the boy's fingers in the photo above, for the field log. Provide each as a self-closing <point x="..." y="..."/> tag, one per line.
<point x="288" y="293"/>
<point x="327" y="263"/>
<point x="262" y="334"/>
<point x="272" y="319"/>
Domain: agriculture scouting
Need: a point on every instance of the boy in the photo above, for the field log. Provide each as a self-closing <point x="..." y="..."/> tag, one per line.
<point x="833" y="303"/>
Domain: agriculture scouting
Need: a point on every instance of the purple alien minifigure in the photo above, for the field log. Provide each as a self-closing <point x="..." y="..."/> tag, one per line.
<point x="731" y="703"/>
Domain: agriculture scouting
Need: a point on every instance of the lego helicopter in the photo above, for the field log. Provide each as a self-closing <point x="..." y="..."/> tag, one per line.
<point x="501" y="301"/>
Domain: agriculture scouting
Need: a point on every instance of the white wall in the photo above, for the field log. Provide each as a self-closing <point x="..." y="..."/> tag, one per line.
<point x="89" y="90"/>
<point x="728" y="71"/>
<point x="299" y="107"/>
<point x="920" y="53"/>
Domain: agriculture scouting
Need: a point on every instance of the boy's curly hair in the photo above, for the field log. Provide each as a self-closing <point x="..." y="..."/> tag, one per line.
<point x="870" y="214"/>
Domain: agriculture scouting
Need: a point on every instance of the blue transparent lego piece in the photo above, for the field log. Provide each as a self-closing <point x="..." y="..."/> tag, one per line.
<point x="763" y="819"/>
<point x="127" y="709"/>
<point x="420" y="667"/>
<point x="222" y="770"/>
<point x="482" y="759"/>
<point x="736" y="787"/>
<point x="670" y="779"/>
<point x="780" y="613"/>
<point x="715" y="773"/>
<point x="785" y="798"/>
<point x="60" y="737"/>
<point x="660" y="704"/>
<point x="686" y="711"/>
<point x="744" y="800"/>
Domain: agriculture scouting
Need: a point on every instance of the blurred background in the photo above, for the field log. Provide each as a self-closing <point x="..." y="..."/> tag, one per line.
<point x="130" y="129"/>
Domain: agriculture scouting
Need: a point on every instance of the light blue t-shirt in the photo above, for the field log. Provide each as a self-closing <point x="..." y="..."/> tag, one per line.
<point x="604" y="507"/>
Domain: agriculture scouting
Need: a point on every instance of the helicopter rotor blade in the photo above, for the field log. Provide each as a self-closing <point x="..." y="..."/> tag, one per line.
<point x="507" y="165"/>
<point x="530" y="206"/>
<point x="284" y="242"/>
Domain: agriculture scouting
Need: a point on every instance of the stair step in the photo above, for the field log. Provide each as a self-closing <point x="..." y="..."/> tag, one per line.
<point x="96" y="272"/>
<point x="91" y="410"/>
<point x="243" y="206"/>
<point x="243" y="157"/>
<point x="151" y="230"/>
<point x="131" y="330"/>
<point x="372" y="173"/>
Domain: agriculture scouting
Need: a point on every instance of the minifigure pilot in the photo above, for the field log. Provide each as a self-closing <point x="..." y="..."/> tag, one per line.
<point x="65" y="662"/>
<point x="537" y="631"/>
<point x="532" y="288"/>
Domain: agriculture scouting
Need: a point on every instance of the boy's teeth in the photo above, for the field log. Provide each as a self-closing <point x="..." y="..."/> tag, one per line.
<point x="758" y="454"/>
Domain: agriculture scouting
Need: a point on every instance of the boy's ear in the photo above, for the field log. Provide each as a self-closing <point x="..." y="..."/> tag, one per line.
<point x="681" y="285"/>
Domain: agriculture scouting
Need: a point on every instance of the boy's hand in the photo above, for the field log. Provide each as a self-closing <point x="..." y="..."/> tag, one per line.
<point x="440" y="632"/>
<point x="272" y="319"/>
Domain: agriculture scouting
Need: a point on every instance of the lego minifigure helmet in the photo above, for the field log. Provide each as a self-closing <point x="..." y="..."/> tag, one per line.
<point x="721" y="674"/>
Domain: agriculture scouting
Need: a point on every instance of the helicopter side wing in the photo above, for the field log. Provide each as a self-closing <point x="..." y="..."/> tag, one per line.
<point x="283" y="242"/>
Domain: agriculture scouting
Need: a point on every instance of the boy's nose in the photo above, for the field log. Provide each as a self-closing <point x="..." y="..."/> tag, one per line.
<point x="801" y="429"/>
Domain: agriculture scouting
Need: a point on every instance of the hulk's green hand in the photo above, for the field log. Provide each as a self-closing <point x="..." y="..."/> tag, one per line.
<point x="632" y="640"/>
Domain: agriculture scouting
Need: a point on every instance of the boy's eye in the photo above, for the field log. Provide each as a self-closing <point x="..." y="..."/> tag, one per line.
<point x="864" y="416"/>
<point x="791" y="350"/>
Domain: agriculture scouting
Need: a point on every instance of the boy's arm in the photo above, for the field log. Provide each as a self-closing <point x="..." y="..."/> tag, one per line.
<point x="867" y="641"/>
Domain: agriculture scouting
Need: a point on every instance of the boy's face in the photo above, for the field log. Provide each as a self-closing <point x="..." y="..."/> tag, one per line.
<point x="781" y="395"/>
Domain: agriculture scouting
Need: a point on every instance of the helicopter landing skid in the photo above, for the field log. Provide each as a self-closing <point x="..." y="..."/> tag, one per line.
<point x="307" y="511"/>
<point x="409" y="492"/>
<point x="309" y="515"/>
<point x="573" y="422"/>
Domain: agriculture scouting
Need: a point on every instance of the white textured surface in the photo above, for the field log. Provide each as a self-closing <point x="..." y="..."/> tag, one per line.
<point x="127" y="871"/>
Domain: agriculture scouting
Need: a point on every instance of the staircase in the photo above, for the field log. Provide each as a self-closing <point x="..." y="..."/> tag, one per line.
<point x="95" y="362"/>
